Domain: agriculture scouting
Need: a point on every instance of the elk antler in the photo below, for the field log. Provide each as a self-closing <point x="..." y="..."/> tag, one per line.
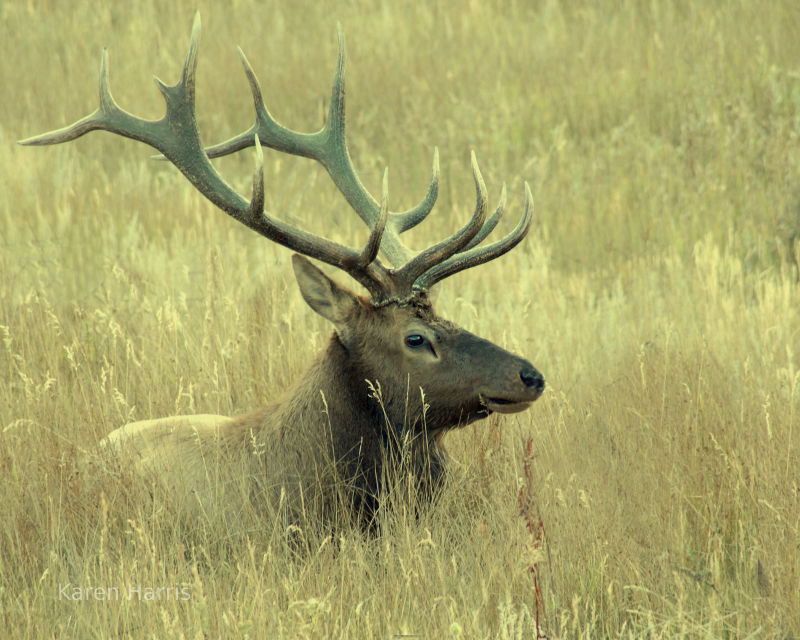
<point x="177" y="138"/>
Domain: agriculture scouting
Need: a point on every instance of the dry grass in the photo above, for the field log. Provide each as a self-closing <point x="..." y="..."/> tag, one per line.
<point x="658" y="294"/>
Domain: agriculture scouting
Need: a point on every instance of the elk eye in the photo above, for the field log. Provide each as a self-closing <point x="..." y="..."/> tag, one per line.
<point x="415" y="340"/>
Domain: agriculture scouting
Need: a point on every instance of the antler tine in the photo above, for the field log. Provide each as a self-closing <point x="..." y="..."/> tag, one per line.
<point x="490" y="224"/>
<point x="328" y="146"/>
<point x="479" y="255"/>
<point x="107" y="117"/>
<point x="257" y="201"/>
<point x="86" y="124"/>
<point x="374" y="242"/>
<point x="441" y="251"/>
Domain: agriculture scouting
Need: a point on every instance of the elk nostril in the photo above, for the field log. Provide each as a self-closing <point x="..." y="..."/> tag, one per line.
<point x="531" y="378"/>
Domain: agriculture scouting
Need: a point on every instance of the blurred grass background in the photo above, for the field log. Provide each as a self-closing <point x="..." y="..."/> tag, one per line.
<point x="657" y="292"/>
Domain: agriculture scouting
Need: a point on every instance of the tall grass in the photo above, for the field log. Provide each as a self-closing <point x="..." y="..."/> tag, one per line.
<point x="658" y="293"/>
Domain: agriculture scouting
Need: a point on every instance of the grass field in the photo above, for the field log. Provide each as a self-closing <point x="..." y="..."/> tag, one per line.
<point x="658" y="293"/>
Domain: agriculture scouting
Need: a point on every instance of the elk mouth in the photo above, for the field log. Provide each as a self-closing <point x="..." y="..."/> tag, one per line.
<point x="506" y="405"/>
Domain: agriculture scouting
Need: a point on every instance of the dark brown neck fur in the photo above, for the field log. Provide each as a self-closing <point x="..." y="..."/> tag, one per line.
<point x="331" y="414"/>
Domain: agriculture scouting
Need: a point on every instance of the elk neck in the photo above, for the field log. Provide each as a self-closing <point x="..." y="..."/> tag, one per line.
<point x="330" y="399"/>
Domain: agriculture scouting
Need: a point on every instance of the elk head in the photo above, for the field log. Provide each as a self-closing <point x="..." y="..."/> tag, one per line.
<point x="405" y="346"/>
<point x="392" y="336"/>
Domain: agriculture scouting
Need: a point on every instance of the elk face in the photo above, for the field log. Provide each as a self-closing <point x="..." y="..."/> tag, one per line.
<point x="408" y="347"/>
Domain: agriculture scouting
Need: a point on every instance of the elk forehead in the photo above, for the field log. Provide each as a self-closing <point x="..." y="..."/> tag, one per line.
<point x="417" y="310"/>
<point x="449" y="340"/>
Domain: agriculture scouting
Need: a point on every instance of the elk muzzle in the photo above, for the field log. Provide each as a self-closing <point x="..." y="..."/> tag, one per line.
<point x="505" y="382"/>
<point x="530" y="388"/>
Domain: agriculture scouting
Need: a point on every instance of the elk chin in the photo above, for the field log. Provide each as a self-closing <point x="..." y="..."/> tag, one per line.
<point x="502" y="405"/>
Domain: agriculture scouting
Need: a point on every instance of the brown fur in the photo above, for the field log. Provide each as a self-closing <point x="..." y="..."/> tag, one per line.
<point x="331" y="420"/>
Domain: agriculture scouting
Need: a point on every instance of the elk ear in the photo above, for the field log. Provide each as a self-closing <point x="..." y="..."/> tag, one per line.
<point x="322" y="294"/>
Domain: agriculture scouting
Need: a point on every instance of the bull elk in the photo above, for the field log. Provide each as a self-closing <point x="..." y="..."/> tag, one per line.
<point x="391" y="341"/>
